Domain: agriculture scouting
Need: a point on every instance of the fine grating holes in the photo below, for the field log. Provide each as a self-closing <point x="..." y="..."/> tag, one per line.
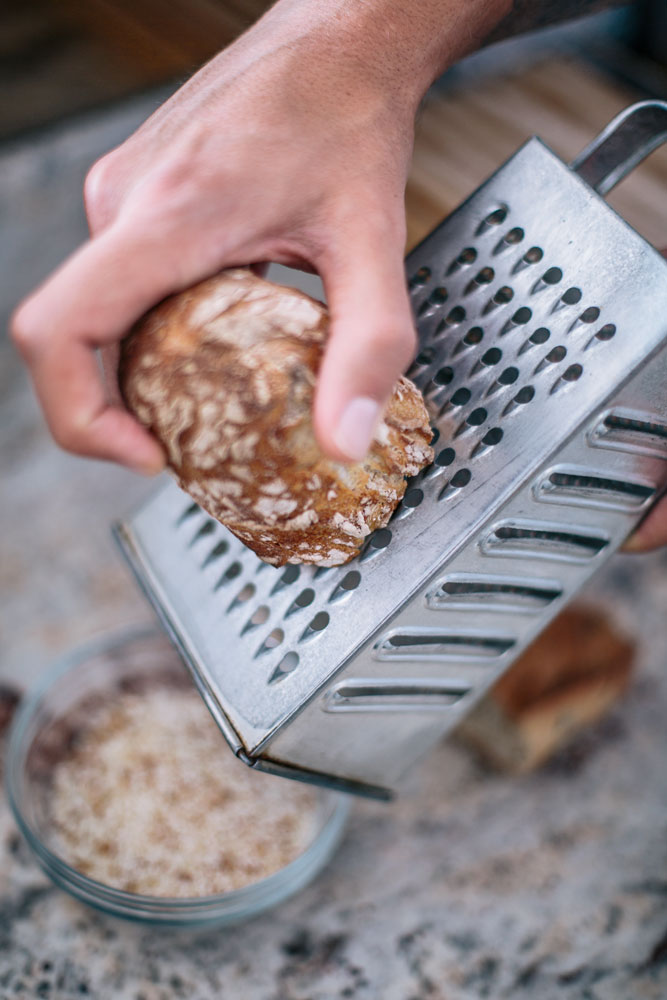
<point x="461" y="397"/>
<point x="467" y="257"/>
<point x="207" y="528"/>
<point x="425" y="357"/>
<point x="492" y="356"/>
<point x="419" y="278"/>
<point x="477" y="417"/>
<point x="413" y="497"/>
<point x="510" y="238"/>
<point x="287" y="664"/>
<point x="243" y="596"/>
<point x="573" y="373"/>
<point x="552" y="276"/>
<point x="443" y="376"/>
<point x="522" y="316"/>
<point x="272" y="641"/>
<point x="445" y="458"/>
<point x="347" y="585"/>
<point x="458" y="481"/>
<point x="481" y="280"/>
<point x="485" y="276"/>
<point x="302" y="600"/>
<point x="218" y="550"/>
<point x="555" y="355"/>
<point x="288" y="576"/>
<point x="316" y="626"/>
<point x="474" y="336"/>
<point x="503" y="295"/>
<point x="532" y="256"/>
<point x="435" y="435"/>
<point x="571" y="296"/>
<point x="380" y="539"/>
<point x="493" y="219"/>
<point x="590" y="315"/>
<point x="492" y="437"/>
<point x="193" y="508"/>
<point x="455" y="316"/>
<point x="570" y="375"/>
<point x="525" y="395"/>
<point x="232" y="571"/>
<point x="539" y="336"/>
<point x="606" y="332"/>
<point x="436" y="299"/>
<point x="508" y="376"/>
<point x="258" y="617"/>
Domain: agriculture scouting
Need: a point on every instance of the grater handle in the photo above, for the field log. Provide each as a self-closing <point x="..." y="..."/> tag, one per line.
<point x="622" y="145"/>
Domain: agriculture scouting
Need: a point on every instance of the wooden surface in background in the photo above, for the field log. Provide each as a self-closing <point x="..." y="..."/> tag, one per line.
<point x="464" y="135"/>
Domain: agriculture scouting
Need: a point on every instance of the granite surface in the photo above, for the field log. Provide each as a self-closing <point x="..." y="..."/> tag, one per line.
<point x="471" y="885"/>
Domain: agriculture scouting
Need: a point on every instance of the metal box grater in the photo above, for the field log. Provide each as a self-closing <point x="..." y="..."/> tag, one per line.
<point x="542" y="319"/>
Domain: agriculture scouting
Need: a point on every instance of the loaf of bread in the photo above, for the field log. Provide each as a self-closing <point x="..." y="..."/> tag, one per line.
<point x="565" y="680"/>
<point x="223" y="375"/>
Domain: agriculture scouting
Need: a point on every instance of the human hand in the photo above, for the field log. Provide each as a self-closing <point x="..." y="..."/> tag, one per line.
<point x="292" y="145"/>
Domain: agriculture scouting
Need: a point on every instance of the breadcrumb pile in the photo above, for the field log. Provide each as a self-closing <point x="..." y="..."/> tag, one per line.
<point x="150" y="800"/>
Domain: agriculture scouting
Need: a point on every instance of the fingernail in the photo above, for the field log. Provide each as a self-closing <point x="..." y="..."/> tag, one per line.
<point x="150" y="468"/>
<point x="356" y="426"/>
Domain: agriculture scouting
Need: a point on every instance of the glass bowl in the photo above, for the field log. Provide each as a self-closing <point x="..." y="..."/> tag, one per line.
<point x="46" y="725"/>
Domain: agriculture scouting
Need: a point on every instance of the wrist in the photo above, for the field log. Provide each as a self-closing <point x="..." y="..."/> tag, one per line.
<point x="400" y="48"/>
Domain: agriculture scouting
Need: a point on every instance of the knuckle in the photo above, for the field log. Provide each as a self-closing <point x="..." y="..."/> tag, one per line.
<point x="96" y="189"/>
<point x="25" y="329"/>
<point x="67" y="434"/>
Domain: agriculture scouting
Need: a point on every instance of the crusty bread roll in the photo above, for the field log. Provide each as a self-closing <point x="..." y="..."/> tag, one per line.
<point x="223" y="375"/>
<point x="566" y="679"/>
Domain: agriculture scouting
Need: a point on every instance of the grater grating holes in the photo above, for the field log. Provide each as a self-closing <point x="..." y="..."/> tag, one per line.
<point x="302" y="600"/>
<point x="467" y="257"/>
<point x="189" y="511"/>
<point x="288" y="576"/>
<point x="244" y="595"/>
<point x="473" y="337"/>
<point x="315" y="626"/>
<point x="233" y="570"/>
<point x="570" y="375"/>
<point x="285" y="667"/>
<point x="207" y="528"/>
<point x="346" y="587"/>
<point x="458" y="481"/>
<point x="481" y="279"/>
<point x="571" y="296"/>
<point x="259" y="616"/>
<point x="419" y="279"/>
<point x="510" y="239"/>
<point x="273" y="639"/>
<point x="216" y="552"/>
<point x="493" y="219"/>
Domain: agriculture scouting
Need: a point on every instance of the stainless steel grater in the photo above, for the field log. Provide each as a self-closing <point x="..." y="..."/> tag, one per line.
<point x="542" y="319"/>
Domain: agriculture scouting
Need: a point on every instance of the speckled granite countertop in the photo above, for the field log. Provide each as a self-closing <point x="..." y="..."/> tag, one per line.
<point x="549" y="887"/>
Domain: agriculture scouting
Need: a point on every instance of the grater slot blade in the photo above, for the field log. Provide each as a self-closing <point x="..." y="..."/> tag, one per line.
<point x="544" y="541"/>
<point x="631" y="431"/>
<point x="443" y="646"/>
<point x="592" y="488"/>
<point x="622" y="145"/>
<point x="407" y="695"/>
<point x="474" y="592"/>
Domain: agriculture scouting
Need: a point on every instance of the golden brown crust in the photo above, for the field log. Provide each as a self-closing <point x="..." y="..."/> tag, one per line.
<point x="223" y="375"/>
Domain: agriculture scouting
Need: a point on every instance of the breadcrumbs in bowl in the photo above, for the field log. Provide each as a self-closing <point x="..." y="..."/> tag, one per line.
<point x="132" y="801"/>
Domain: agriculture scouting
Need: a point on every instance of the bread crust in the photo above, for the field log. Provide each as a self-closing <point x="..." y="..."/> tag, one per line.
<point x="223" y="375"/>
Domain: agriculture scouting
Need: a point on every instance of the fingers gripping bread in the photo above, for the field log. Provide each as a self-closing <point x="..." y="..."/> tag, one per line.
<point x="223" y="375"/>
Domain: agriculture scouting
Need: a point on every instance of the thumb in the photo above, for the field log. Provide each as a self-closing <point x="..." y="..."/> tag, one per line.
<point x="371" y="341"/>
